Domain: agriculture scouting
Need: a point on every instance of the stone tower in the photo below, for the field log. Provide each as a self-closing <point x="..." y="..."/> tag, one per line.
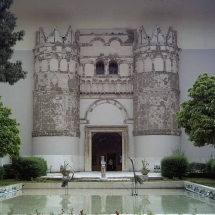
<point x="56" y="97"/>
<point x="156" y="94"/>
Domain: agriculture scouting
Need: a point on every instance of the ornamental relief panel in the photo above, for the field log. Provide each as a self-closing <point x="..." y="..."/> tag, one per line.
<point x="156" y="100"/>
<point x="158" y="80"/>
<point x="127" y="42"/>
<point x="155" y="113"/>
<point x="106" y="85"/>
<point x="56" y="113"/>
<point x="55" y="80"/>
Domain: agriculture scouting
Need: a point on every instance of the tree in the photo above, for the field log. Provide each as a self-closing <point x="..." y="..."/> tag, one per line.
<point x="9" y="72"/>
<point x="9" y="133"/>
<point x="198" y="114"/>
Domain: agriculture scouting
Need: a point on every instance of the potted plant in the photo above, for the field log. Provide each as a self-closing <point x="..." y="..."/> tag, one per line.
<point x="63" y="169"/>
<point x="145" y="170"/>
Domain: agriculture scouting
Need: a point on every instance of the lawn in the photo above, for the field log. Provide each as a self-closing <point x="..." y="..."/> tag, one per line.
<point x="203" y="181"/>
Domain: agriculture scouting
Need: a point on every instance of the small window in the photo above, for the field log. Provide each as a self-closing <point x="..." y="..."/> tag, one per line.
<point x="100" y="68"/>
<point x="113" y="68"/>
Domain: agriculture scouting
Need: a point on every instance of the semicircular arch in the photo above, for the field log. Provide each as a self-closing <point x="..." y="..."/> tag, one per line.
<point x="97" y="39"/>
<point x="115" y="38"/>
<point x="108" y="101"/>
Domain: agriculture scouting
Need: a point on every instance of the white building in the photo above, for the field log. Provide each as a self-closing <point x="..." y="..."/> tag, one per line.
<point x="110" y="85"/>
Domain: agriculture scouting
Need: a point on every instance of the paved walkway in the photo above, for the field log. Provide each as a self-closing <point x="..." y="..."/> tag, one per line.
<point x="96" y="175"/>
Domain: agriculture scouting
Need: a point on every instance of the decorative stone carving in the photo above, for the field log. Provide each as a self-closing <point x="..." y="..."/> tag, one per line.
<point x="97" y="39"/>
<point x="56" y="91"/>
<point x="130" y="36"/>
<point x="154" y="84"/>
<point x="117" y="39"/>
<point x="102" y="85"/>
<point x="156" y="91"/>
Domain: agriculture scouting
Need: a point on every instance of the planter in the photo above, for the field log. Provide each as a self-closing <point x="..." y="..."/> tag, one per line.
<point x="145" y="172"/>
<point x="65" y="172"/>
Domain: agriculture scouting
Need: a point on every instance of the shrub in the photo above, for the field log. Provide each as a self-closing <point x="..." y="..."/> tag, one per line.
<point x="174" y="166"/>
<point x="8" y="172"/>
<point x="1" y="172"/>
<point x="178" y="151"/>
<point x="208" y="166"/>
<point x="42" y="163"/>
<point x="196" y="167"/>
<point x="213" y="168"/>
<point x="28" y="168"/>
<point x="197" y="170"/>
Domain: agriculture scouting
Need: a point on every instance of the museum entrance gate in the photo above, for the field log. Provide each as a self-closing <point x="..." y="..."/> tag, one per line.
<point x="107" y="147"/>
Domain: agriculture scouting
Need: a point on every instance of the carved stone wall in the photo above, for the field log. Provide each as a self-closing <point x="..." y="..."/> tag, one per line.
<point x="56" y="85"/>
<point x="156" y="84"/>
<point x="106" y="46"/>
<point x="153" y="83"/>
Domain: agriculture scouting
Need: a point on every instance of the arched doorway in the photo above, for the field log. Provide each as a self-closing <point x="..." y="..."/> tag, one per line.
<point x="108" y="147"/>
<point x="90" y="131"/>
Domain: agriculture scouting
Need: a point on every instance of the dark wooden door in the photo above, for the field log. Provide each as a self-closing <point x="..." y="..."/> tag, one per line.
<point x="107" y="146"/>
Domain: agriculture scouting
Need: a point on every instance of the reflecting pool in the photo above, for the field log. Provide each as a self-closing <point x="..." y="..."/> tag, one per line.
<point x="107" y="201"/>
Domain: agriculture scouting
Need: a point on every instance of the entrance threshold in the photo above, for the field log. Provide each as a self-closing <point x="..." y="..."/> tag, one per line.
<point x="97" y="175"/>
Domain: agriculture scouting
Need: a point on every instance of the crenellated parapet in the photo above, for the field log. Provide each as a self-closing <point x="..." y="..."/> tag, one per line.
<point x="56" y="84"/>
<point x="156" y="53"/>
<point x="156" y="83"/>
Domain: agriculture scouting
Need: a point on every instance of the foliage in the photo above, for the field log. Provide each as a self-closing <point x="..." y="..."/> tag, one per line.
<point x="1" y="172"/>
<point x="9" y="133"/>
<point x="178" y="151"/>
<point x="197" y="170"/>
<point x="64" y="166"/>
<point x="145" y="164"/>
<point x="8" y="172"/>
<point x="174" y="166"/>
<point x="208" y="168"/>
<point x="196" y="167"/>
<point x="29" y="168"/>
<point x="43" y="164"/>
<point x="198" y="114"/>
<point x="9" y="72"/>
<point x="213" y="168"/>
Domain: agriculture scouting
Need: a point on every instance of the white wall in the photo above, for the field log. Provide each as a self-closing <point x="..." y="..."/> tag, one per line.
<point x="193" y="19"/>
<point x="19" y="98"/>
<point x="153" y="148"/>
<point x="56" y="150"/>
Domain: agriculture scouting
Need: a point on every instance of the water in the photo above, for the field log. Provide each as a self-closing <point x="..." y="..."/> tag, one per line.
<point x="107" y="201"/>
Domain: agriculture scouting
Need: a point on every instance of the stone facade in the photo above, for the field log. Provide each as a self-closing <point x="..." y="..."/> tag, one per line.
<point x="156" y="83"/>
<point x="83" y="70"/>
<point x="56" y="85"/>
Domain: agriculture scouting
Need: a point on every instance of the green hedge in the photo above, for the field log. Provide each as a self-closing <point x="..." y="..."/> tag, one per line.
<point x="213" y="168"/>
<point x="208" y="168"/>
<point x="197" y="170"/>
<point x="174" y="166"/>
<point x="1" y="172"/>
<point x="196" y="167"/>
<point x="27" y="168"/>
<point x="8" y="172"/>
